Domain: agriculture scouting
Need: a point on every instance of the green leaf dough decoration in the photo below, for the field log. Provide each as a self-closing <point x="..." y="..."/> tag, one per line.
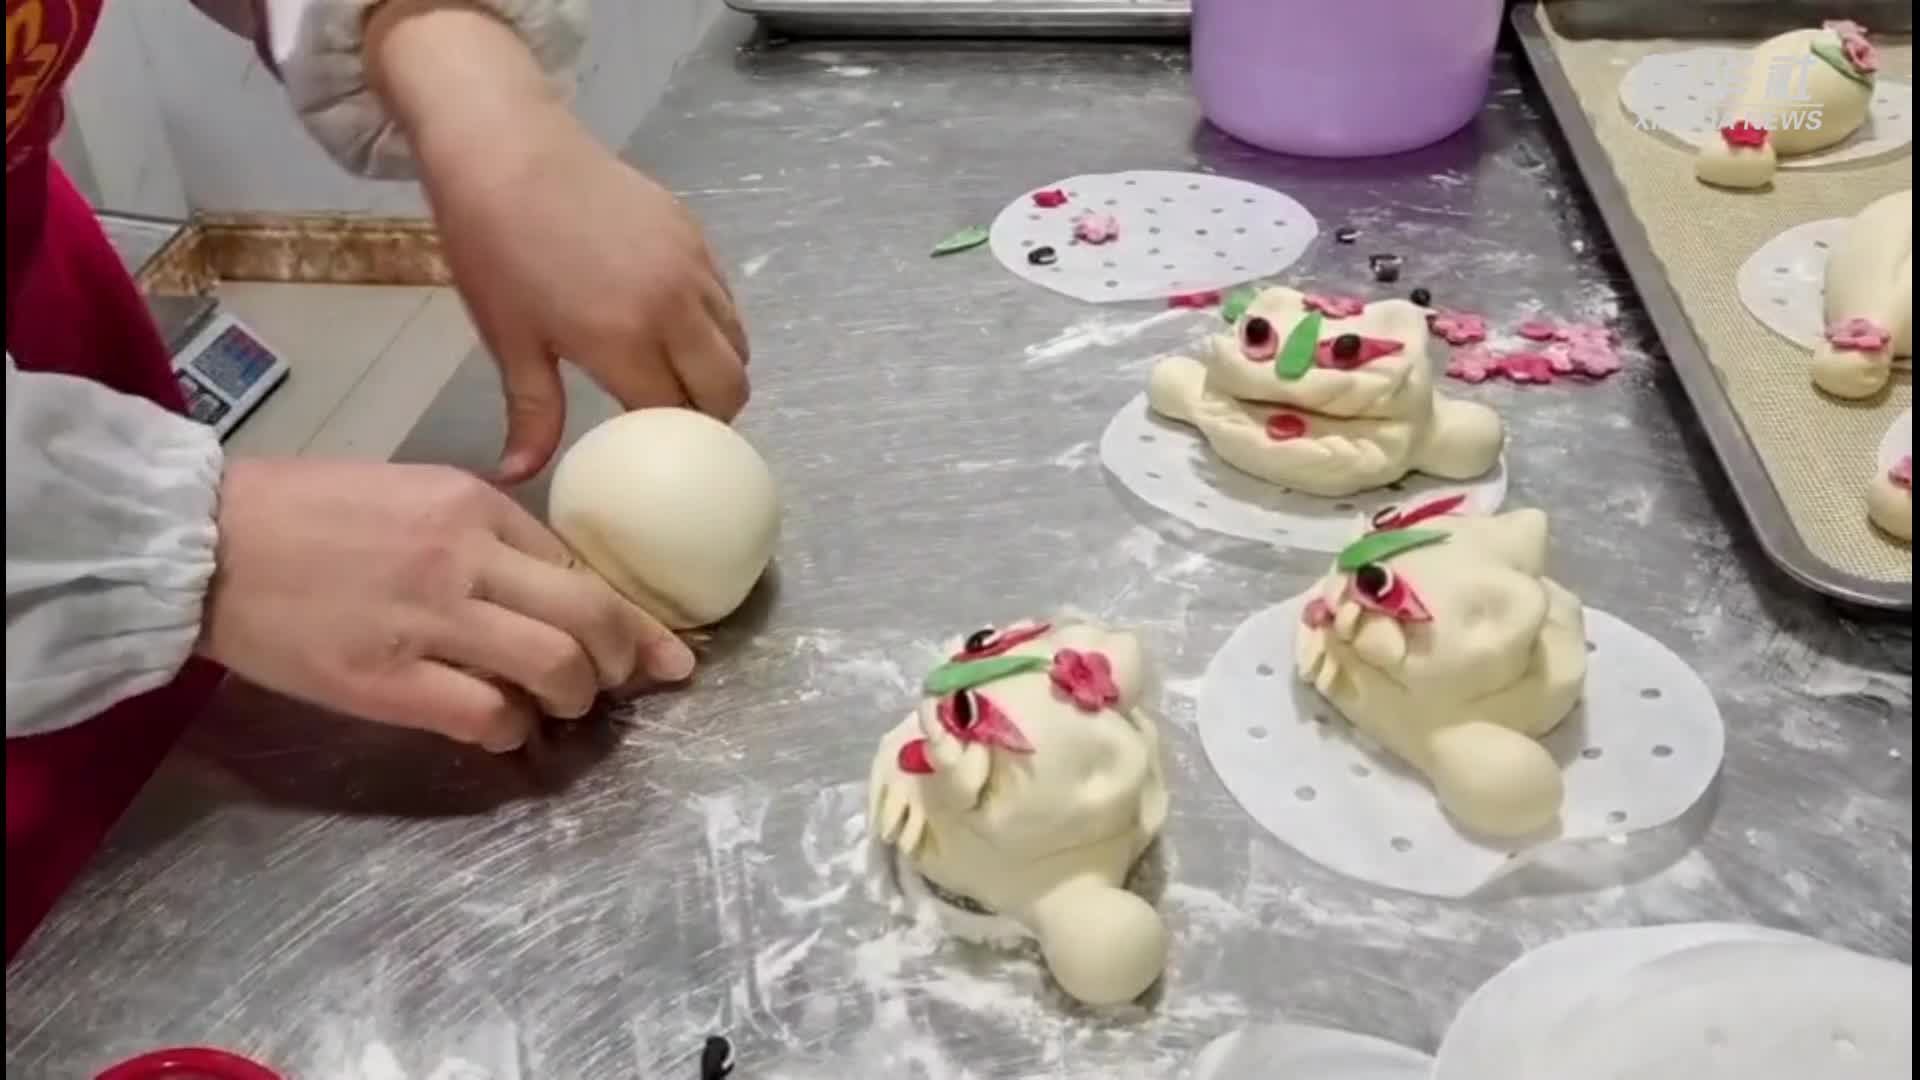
<point x="1237" y="303"/>
<point x="1296" y="356"/>
<point x="1374" y="547"/>
<point x="1835" y="55"/>
<point x="966" y="239"/>
<point x="967" y="674"/>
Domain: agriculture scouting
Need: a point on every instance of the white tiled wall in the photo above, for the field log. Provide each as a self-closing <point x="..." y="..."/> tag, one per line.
<point x="176" y="113"/>
<point x="114" y="119"/>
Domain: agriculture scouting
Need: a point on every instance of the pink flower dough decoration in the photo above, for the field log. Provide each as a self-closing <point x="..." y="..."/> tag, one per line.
<point x="1333" y="307"/>
<point x="1854" y="43"/>
<point x="1086" y="678"/>
<point x="1859" y="335"/>
<point x="1743" y="136"/>
<point x="1473" y="364"/>
<point x="1458" y="327"/>
<point x="1096" y="228"/>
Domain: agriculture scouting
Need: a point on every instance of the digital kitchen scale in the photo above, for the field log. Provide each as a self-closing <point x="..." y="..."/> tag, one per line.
<point x="226" y="371"/>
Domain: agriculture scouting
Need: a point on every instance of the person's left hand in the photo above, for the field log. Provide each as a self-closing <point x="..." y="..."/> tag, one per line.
<point x="559" y="249"/>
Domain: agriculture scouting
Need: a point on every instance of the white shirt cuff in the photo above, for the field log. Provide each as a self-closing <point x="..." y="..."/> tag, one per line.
<point x="111" y="504"/>
<point x="318" y="47"/>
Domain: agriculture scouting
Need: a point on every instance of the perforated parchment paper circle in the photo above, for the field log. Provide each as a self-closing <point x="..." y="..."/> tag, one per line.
<point x="1179" y="233"/>
<point x="1641" y="748"/>
<point x="1169" y="467"/>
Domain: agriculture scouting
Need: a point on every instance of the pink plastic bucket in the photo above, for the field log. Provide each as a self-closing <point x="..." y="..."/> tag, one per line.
<point x="1342" y="78"/>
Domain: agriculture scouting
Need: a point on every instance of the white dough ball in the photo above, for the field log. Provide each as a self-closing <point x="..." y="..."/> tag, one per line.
<point x="673" y="508"/>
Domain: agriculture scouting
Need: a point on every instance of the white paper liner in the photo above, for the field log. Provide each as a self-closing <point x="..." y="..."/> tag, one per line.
<point x="1310" y="1053"/>
<point x="1745" y="1010"/>
<point x="1896" y="443"/>
<point x="1504" y="1030"/>
<point x="1169" y="466"/>
<point x="1638" y="752"/>
<point x="1783" y="283"/>
<point x="1679" y="95"/>
<point x="1179" y="233"/>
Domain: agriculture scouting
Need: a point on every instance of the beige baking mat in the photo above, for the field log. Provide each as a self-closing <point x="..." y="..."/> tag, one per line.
<point x="1819" y="451"/>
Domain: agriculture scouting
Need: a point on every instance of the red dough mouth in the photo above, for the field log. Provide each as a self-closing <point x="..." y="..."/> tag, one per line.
<point x="913" y="758"/>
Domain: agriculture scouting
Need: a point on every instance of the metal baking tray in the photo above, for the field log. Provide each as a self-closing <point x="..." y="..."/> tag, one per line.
<point x="1128" y="19"/>
<point x="1168" y="19"/>
<point x="1746" y="474"/>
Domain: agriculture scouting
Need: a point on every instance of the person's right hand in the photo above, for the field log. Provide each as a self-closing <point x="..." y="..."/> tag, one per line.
<point x="418" y="596"/>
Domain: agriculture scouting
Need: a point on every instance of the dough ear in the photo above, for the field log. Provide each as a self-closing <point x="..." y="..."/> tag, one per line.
<point x="1174" y="387"/>
<point x="1104" y="945"/>
<point x="1520" y="538"/>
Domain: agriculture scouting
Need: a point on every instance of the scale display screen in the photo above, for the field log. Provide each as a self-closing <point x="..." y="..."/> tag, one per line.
<point x="225" y="372"/>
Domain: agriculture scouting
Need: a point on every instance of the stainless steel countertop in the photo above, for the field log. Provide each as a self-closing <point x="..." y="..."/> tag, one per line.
<point x="351" y="902"/>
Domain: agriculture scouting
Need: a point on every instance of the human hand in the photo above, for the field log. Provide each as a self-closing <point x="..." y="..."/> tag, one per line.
<point x="574" y="254"/>
<point x="559" y="249"/>
<point x="417" y="596"/>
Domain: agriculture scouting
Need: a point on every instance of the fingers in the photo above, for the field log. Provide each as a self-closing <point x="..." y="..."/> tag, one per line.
<point x="536" y="413"/>
<point x="638" y="373"/>
<point x="430" y="695"/>
<point x="725" y="311"/>
<point x="710" y="368"/>
<point x="538" y="658"/>
<point x="521" y="531"/>
<point x="618" y="637"/>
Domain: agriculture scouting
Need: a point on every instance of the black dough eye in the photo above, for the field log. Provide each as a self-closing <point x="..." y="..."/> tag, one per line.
<point x="1384" y="515"/>
<point x="1346" y="346"/>
<point x="1258" y="331"/>
<point x="1373" y="580"/>
<point x="963" y="710"/>
<point x="979" y="639"/>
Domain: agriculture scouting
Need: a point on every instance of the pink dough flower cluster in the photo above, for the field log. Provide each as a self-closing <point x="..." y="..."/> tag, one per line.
<point x="1584" y="349"/>
<point x="1853" y="41"/>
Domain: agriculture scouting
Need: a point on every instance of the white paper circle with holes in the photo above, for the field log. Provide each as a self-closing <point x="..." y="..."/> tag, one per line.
<point x="1296" y="1050"/>
<point x="1747" y="1010"/>
<point x="1679" y="95"/>
<point x="1783" y="283"/>
<point x="1641" y="748"/>
<point x="1169" y="467"/>
<point x="1896" y="443"/>
<point x="1504" y="1030"/>
<point x="1179" y="233"/>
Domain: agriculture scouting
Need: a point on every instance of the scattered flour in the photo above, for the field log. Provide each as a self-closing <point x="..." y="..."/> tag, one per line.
<point x="1098" y="332"/>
